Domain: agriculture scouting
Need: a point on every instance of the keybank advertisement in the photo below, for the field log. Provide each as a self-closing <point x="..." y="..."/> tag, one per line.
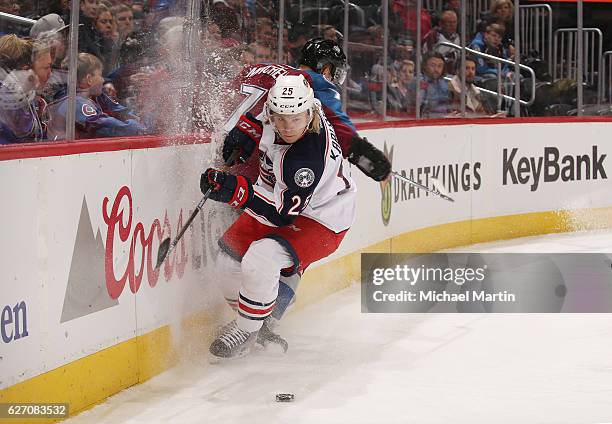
<point x="489" y="170"/>
<point x="552" y="167"/>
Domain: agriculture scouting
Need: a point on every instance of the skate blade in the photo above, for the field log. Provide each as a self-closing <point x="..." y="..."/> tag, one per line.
<point x="214" y="360"/>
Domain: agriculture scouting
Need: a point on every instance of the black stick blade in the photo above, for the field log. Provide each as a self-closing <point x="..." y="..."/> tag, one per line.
<point x="162" y="252"/>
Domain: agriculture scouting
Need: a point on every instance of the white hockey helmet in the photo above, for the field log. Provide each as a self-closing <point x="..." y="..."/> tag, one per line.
<point x="290" y="95"/>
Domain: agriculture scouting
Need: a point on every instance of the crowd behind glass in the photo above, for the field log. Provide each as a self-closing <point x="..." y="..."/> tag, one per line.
<point x="140" y="70"/>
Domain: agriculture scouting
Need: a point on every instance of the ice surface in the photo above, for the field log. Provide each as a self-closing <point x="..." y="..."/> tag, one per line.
<point x="347" y="367"/>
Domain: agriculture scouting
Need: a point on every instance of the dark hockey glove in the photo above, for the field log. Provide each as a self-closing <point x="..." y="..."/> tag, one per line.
<point x="244" y="136"/>
<point x="369" y="159"/>
<point x="227" y="188"/>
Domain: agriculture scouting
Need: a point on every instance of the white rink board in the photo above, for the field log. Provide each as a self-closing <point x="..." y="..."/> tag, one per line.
<point x="480" y="149"/>
<point x="54" y="262"/>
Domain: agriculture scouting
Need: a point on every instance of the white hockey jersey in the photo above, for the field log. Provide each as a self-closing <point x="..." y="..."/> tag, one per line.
<point x="308" y="178"/>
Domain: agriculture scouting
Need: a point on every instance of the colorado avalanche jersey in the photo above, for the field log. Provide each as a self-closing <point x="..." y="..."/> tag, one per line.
<point x="308" y="178"/>
<point x="101" y="117"/>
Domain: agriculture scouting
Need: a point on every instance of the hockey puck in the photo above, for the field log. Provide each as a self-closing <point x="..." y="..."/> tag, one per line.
<point x="285" y="397"/>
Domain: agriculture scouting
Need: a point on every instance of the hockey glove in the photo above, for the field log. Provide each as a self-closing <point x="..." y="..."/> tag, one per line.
<point x="244" y="136"/>
<point x="227" y="188"/>
<point x="369" y="159"/>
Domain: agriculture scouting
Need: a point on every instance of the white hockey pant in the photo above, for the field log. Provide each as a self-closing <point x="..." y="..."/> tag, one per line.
<point x="251" y="287"/>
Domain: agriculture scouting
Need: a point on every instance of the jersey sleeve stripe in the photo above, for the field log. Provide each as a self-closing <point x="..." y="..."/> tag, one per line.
<point x="260" y="218"/>
<point x="264" y="198"/>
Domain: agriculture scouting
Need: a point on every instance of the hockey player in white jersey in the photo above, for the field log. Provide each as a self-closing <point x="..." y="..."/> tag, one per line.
<point x="296" y="213"/>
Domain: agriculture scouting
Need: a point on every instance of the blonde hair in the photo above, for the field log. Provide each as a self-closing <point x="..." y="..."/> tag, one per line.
<point x="87" y="64"/>
<point x="15" y="52"/>
<point x="103" y="7"/>
<point x="406" y="62"/>
<point x="315" y="123"/>
<point x="496" y="4"/>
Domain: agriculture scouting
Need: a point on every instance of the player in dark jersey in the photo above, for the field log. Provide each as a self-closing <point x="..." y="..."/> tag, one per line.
<point x="303" y="196"/>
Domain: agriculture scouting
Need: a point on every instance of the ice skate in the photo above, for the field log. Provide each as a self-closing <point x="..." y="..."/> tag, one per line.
<point x="232" y="342"/>
<point x="267" y="336"/>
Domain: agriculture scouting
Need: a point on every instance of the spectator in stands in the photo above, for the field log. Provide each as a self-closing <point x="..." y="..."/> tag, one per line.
<point x="104" y="23"/>
<point x="296" y="38"/>
<point x="398" y="89"/>
<point x="473" y="104"/>
<point x="406" y="72"/>
<point x="264" y="53"/>
<point x="502" y="12"/>
<point x="133" y="54"/>
<point x="403" y="19"/>
<point x="490" y="43"/>
<point x="107" y="28"/>
<point x="503" y="9"/>
<point x="376" y="84"/>
<point x="265" y="33"/>
<point x="124" y="17"/>
<point x="90" y="39"/>
<point x="41" y="63"/>
<point x="51" y="31"/>
<point x="446" y="31"/>
<point x="400" y="50"/>
<point x="435" y="94"/>
<point x="96" y="114"/>
<point x="21" y="111"/>
<point x="47" y="25"/>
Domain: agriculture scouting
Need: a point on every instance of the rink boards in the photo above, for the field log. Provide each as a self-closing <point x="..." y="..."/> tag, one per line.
<point x="84" y="315"/>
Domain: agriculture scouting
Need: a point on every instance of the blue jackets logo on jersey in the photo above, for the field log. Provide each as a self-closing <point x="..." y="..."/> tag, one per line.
<point x="304" y="177"/>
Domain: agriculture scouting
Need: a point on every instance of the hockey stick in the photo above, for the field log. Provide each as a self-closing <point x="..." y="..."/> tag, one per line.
<point x="437" y="190"/>
<point x="166" y="246"/>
